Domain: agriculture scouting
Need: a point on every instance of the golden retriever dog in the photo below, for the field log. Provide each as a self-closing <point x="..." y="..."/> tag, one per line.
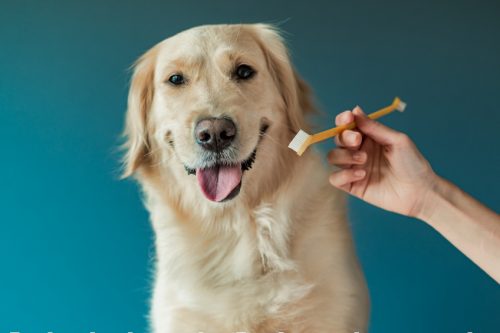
<point x="250" y="237"/>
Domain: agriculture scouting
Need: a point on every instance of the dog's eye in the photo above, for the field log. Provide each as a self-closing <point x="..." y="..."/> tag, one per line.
<point x="244" y="72"/>
<point x="176" y="79"/>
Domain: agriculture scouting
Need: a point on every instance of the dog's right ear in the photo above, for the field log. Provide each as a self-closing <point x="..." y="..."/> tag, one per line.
<point x="140" y="99"/>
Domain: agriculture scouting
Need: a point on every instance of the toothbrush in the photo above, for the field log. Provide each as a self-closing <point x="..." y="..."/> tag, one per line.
<point x="302" y="140"/>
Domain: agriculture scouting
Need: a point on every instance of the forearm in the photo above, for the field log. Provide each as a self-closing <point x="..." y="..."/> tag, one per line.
<point x="471" y="227"/>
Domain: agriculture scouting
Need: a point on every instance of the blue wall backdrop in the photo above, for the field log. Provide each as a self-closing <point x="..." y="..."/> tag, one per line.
<point x="75" y="243"/>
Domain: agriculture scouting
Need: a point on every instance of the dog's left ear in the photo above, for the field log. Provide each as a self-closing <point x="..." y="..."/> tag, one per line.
<point x="296" y="94"/>
<point x="140" y="99"/>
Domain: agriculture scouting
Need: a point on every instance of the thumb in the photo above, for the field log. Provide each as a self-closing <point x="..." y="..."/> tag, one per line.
<point x="375" y="130"/>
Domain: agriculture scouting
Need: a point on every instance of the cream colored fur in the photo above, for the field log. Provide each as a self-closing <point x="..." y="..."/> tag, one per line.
<point x="279" y="256"/>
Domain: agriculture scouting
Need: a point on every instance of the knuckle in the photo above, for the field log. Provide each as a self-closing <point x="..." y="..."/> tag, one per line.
<point x="403" y="139"/>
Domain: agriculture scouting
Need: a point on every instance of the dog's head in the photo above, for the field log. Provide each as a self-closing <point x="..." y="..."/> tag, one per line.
<point x="214" y="108"/>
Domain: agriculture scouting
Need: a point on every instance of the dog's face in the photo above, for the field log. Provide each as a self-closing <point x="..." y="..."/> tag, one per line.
<point x="211" y="102"/>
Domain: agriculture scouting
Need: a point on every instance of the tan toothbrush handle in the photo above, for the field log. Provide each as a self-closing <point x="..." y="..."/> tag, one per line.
<point x="339" y="129"/>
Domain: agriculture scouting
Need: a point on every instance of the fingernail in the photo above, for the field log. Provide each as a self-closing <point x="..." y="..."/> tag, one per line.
<point x="360" y="173"/>
<point x="351" y="136"/>
<point x="358" y="110"/>
<point x="359" y="156"/>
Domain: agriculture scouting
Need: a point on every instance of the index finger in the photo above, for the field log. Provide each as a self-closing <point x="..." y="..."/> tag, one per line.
<point x="344" y="118"/>
<point x="348" y="138"/>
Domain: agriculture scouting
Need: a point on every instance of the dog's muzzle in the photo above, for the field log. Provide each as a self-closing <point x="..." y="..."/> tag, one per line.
<point x="220" y="177"/>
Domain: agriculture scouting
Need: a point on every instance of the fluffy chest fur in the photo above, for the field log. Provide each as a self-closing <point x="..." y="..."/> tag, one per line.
<point x="241" y="271"/>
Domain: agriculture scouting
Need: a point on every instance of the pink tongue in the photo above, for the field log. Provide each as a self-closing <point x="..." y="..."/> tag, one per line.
<point x="218" y="182"/>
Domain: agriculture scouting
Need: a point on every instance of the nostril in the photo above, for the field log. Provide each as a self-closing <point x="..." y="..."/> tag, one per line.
<point x="204" y="136"/>
<point x="225" y="135"/>
<point x="226" y="129"/>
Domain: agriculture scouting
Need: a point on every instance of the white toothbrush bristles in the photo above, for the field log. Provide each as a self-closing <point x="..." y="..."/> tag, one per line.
<point x="298" y="144"/>
<point x="401" y="106"/>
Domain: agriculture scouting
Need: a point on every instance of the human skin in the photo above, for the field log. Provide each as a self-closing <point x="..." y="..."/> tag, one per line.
<point x="385" y="168"/>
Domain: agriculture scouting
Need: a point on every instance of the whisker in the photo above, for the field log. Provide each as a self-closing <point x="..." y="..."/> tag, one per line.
<point x="273" y="140"/>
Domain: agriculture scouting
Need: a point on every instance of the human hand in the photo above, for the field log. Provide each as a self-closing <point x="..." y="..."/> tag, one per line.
<point x="380" y="165"/>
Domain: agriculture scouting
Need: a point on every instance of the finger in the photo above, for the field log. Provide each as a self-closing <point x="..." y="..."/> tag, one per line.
<point x="375" y="130"/>
<point x="342" y="156"/>
<point x="344" y="118"/>
<point x="349" y="139"/>
<point x="342" y="178"/>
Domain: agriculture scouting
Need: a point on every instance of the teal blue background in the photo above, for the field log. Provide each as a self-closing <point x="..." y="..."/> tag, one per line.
<point x="75" y="243"/>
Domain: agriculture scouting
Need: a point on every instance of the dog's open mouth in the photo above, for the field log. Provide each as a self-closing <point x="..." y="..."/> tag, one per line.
<point x="222" y="181"/>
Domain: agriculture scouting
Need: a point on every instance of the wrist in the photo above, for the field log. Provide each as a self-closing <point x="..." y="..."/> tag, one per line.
<point x="432" y="200"/>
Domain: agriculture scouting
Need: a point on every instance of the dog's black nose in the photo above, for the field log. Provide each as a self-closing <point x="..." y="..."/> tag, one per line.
<point x="215" y="134"/>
